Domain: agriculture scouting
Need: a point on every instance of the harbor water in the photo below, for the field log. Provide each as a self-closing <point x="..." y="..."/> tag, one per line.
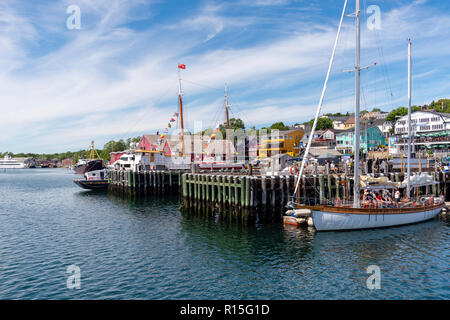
<point x="147" y="249"/>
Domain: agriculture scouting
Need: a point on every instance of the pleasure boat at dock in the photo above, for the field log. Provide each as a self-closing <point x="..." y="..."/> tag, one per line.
<point x="9" y="163"/>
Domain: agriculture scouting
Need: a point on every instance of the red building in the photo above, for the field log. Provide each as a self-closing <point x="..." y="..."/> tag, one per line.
<point x="66" y="162"/>
<point x="115" y="156"/>
<point x="149" y="142"/>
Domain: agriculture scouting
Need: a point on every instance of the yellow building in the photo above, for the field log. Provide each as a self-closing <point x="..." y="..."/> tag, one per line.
<point x="350" y="123"/>
<point x="285" y="142"/>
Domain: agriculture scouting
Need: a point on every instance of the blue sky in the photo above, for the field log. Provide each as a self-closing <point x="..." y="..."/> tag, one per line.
<point x="116" y="77"/>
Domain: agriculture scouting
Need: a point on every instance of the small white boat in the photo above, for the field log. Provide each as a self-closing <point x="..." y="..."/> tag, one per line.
<point x="9" y="163"/>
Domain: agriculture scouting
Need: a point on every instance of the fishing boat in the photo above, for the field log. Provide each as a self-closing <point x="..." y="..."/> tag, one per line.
<point x="93" y="163"/>
<point x="9" y="163"/>
<point x="94" y="180"/>
<point x="352" y="216"/>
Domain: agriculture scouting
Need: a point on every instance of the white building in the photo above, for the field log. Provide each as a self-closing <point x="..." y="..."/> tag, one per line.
<point x="430" y="131"/>
<point x="423" y="122"/>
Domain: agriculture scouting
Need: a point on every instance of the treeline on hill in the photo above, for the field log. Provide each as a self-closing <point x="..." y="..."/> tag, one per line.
<point x="104" y="153"/>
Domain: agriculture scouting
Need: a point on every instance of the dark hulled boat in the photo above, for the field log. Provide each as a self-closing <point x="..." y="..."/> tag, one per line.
<point x="94" y="180"/>
<point x="88" y="165"/>
<point x="92" y="185"/>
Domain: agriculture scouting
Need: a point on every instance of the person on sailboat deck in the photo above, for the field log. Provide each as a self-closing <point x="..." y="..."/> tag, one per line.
<point x="397" y="197"/>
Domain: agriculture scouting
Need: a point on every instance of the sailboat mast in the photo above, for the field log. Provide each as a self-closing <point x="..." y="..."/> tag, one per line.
<point x="180" y="94"/>
<point x="408" y="171"/>
<point x="357" y="103"/>
<point x="228" y="123"/>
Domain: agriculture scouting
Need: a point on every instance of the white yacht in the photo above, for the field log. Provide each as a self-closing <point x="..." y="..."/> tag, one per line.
<point x="8" y="163"/>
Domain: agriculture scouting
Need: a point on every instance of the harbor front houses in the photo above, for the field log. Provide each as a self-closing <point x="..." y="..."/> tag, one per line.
<point x="279" y="142"/>
<point x="370" y="139"/>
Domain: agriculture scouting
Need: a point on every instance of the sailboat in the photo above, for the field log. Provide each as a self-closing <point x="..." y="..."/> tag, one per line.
<point x="339" y="217"/>
<point x="93" y="163"/>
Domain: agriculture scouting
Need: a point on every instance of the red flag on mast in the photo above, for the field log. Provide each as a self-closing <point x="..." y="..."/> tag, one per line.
<point x="181" y="66"/>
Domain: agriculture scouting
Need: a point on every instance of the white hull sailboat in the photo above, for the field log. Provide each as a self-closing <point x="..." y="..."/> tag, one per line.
<point x="338" y="218"/>
<point x="351" y="217"/>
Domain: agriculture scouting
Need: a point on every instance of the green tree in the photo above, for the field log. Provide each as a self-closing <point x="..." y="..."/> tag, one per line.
<point x="400" y="112"/>
<point x="235" y="124"/>
<point x="279" y="126"/>
<point x="322" y="123"/>
<point x="442" y="105"/>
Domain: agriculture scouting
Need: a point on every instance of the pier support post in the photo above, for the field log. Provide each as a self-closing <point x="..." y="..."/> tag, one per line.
<point x="321" y="189"/>
<point x="273" y="192"/>
<point x="185" y="189"/>
<point x="263" y="191"/>
<point x="338" y="179"/>
<point x="329" y="186"/>
<point x="219" y="189"/>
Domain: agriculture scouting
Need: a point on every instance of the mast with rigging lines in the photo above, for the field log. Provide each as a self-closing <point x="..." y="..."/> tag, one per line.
<point x="180" y="100"/>
<point x="357" y="105"/>
<point x="227" y="106"/>
<point x="408" y="170"/>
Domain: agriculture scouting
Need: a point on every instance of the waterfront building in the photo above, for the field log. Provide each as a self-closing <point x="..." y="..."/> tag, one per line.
<point x="371" y="138"/>
<point x="114" y="156"/>
<point x="324" y="139"/>
<point x="197" y="147"/>
<point x="430" y="132"/>
<point x="344" y="141"/>
<point x="339" y="122"/>
<point x="66" y="162"/>
<point x="350" y="123"/>
<point x="288" y="141"/>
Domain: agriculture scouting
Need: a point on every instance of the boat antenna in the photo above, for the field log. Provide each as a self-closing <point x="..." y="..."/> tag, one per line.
<point x="408" y="171"/>
<point x="227" y="106"/>
<point x="319" y="107"/>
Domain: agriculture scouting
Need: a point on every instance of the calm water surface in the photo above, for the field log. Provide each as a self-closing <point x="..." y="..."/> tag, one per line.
<point x="136" y="249"/>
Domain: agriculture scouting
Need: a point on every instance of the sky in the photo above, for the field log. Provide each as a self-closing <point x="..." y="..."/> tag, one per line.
<point x="116" y="76"/>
